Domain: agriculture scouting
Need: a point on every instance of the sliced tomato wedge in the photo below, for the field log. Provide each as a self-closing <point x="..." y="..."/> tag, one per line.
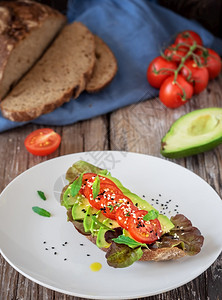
<point x="42" y="141"/>
<point x="144" y="231"/>
<point x="123" y="213"/>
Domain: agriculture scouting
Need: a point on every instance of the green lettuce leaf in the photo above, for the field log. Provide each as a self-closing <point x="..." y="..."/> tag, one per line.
<point x="121" y="256"/>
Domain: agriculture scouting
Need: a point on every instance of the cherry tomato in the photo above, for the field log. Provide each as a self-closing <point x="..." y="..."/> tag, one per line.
<point x="211" y="60"/>
<point x="42" y="141"/>
<point x="175" y="52"/>
<point x="144" y="231"/>
<point x="188" y="37"/>
<point x="174" y="94"/>
<point x="123" y="213"/>
<point x="159" y="69"/>
<point x="198" y="76"/>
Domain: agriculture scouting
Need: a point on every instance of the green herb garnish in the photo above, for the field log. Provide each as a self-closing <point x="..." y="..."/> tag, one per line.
<point x="40" y="211"/>
<point x="111" y="207"/>
<point x="126" y="240"/>
<point x="76" y="185"/>
<point x="41" y="195"/>
<point x="96" y="187"/>
<point x="152" y="214"/>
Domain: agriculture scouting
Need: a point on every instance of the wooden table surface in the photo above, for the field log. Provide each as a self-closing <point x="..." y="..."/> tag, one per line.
<point x="136" y="128"/>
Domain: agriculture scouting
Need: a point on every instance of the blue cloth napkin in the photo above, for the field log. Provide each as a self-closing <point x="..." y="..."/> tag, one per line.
<point x="135" y="30"/>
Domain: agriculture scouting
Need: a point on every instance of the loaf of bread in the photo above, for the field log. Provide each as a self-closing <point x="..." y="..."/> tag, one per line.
<point x="105" y="67"/>
<point x="26" y="29"/>
<point x="61" y="73"/>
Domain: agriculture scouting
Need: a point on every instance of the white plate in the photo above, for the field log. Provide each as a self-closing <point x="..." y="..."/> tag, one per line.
<point x="23" y="233"/>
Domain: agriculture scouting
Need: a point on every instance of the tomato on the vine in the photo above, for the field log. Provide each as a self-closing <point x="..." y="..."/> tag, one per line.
<point x="198" y="76"/>
<point x="174" y="94"/>
<point x="42" y="141"/>
<point x="159" y="69"/>
<point x="188" y="37"/>
<point x="144" y="231"/>
<point x="175" y="52"/>
<point x="211" y="60"/>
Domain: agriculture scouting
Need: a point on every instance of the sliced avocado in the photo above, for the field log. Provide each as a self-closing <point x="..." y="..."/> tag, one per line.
<point x="139" y="202"/>
<point x="79" y="208"/>
<point x="100" y="240"/>
<point x="111" y="223"/>
<point x="193" y="133"/>
<point x="67" y="200"/>
<point x="166" y="224"/>
<point x="87" y="222"/>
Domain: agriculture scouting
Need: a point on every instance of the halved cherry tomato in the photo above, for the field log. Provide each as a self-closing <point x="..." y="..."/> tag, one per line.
<point x="175" y="52"/>
<point x="188" y="37"/>
<point x="211" y="60"/>
<point x="159" y="69"/>
<point x="144" y="231"/>
<point x="174" y="94"/>
<point x="42" y="141"/>
<point x="198" y="76"/>
<point x="123" y="213"/>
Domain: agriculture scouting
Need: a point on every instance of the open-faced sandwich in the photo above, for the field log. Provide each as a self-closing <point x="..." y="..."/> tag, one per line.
<point x="119" y="222"/>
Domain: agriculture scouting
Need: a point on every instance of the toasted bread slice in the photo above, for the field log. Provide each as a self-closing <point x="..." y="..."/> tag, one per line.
<point x="105" y="68"/>
<point x="61" y="73"/>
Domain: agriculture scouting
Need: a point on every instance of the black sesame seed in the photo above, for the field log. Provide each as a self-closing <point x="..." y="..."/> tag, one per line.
<point x="53" y="247"/>
<point x="66" y="243"/>
<point x="65" y="258"/>
<point x="63" y="245"/>
<point x="160" y="195"/>
<point x="143" y="196"/>
<point x="175" y="209"/>
<point x="161" y="204"/>
<point x="46" y="249"/>
<point x="55" y="253"/>
<point x="88" y="254"/>
<point x="81" y="244"/>
<point x="44" y="242"/>
<point x="176" y="205"/>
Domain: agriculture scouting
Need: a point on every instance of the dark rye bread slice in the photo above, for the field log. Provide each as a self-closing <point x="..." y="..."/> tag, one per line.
<point x="105" y="68"/>
<point x="60" y="74"/>
<point x="26" y="29"/>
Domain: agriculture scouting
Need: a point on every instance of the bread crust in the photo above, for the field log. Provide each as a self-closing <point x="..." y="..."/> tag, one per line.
<point x="17" y="20"/>
<point x="102" y="49"/>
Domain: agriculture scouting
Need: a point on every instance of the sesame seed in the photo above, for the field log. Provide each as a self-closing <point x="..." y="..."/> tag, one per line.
<point x="65" y="258"/>
<point x="55" y="253"/>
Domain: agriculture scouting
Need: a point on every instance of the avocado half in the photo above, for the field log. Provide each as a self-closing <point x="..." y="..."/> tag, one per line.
<point x="193" y="133"/>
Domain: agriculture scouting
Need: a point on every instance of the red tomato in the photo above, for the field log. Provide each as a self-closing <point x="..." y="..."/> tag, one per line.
<point x="172" y="94"/>
<point x="42" y="141"/>
<point x="110" y="203"/>
<point x="175" y="52"/>
<point x="144" y="231"/>
<point x="123" y="213"/>
<point x="197" y="76"/>
<point x="106" y="186"/>
<point x="159" y="69"/>
<point x="211" y="60"/>
<point x="188" y="37"/>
